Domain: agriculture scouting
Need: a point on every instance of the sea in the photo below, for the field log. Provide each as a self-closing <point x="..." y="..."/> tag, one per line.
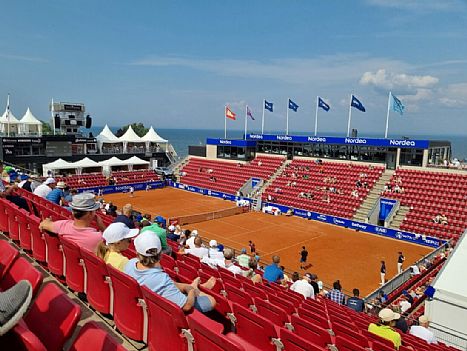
<point x="182" y="138"/>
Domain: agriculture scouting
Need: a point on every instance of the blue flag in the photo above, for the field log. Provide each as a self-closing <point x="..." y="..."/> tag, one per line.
<point x="268" y="105"/>
<point x="293" y="105"/>
<point x="397" y="105"/>
<point x="323" y="105"/>
<point x="357" y="104"/>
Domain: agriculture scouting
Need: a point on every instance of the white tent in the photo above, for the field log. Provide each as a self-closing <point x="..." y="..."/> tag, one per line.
<point x="447" y="311"/>
<point x="8" y="123"/>
<point x="111" y="162"/>
<point x="84" y="163"/>
<point x="56" y="165"/>
<point x="106" y="137"/>
<point x="152" y="137"/>
<point x="135" y="160"/>
<point x="29" y="124"/>
<point x="130" y="137"/>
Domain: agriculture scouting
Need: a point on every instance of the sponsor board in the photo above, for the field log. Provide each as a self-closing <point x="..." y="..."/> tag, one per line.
<point x="110" y="189"/>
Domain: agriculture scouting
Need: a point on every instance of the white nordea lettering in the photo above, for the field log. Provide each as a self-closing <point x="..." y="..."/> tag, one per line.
<point x="402" y="142"/>
<point x="317" y="139"/>
<point x="283" y="137"/>
<point x="229" y="142"/>
<point x="355" y="141"/>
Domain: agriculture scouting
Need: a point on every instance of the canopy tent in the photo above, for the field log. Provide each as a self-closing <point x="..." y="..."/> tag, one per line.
<point x="56" y="165"/>
<point x="8" y="123"/>
<point x="84" y="163"/>
<point x="29" y="124"/>
<point x="152" y="137"/>
<point x="135" y="161"/>
<point x="130" y="137"/>
<point x="106" y="137"/>
<point x="111" y="162"/>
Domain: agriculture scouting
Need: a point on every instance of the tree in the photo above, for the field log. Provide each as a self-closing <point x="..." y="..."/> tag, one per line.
<point x="46" y="128"/>
<point x="139" y="129"/>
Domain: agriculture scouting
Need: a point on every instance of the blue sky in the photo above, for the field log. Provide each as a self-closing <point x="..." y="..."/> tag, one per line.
<point x="175" y="64"/>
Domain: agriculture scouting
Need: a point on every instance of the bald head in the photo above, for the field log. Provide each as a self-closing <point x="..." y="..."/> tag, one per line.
<point x="127" y="209"/>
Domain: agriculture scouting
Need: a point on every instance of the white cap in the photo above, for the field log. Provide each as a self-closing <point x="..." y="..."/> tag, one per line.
<point x="118" y="231"/>
<point x="213" y="243"/>
<point x="194" y="232"/>
<point x="147" y="240"/>
<point x="171" y="228"/>
<point x="49" y="181"/>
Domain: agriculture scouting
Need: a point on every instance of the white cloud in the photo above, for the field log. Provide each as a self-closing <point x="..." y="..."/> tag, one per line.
<point x="23" y="58"/>
<point x="454" y="95"/>
<point x="382" y="79"/>
<point x="421" y="5"/>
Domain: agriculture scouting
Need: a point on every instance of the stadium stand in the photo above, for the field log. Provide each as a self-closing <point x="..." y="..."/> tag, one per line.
<point x="225" y="176"/>
<point x="324" y="187"/>
<point x="429" y="194"/>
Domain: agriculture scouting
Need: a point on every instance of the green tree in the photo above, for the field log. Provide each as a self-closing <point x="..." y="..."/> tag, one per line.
<point x="139" y="129"/>
<point x="46" y="128"/>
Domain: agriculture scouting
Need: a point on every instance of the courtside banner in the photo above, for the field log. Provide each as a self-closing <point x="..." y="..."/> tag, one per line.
<point x="231" y="142"/>
<point x="402" y="143"/>
<point x="110" y="189"/>
<point x="213" y="193"/>
<point x="363" y="227"/>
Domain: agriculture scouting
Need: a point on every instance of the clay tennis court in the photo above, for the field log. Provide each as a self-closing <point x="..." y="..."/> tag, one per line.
<point x="335" y="253"/>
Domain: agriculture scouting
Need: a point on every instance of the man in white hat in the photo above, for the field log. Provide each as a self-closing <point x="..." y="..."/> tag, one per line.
<point x="384" y="329"/>
<point x="190" y="242"/>
<point x="147" y="271"/>
<point x="57" y="195"/>
<point x="79" y="229"/>
<point x="421" y="330"/>
<point x="45" y="188"/>
<point x="117" y="238"/>
<point x="214" y="252"/>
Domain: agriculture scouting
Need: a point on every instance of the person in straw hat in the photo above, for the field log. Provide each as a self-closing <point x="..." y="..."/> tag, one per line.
<point x="385" y="327"/>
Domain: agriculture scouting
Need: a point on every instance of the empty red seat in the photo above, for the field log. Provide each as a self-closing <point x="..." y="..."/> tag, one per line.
<point x="21" y="269"/>
<point x="293" y="342"/>
<point x="8" y="255"/>
<point x="93" y="338"/>
<point x="74" y="265"/>
<point x="55" y="261"/>
<point x="129" y="307"/>
<point x="38" y="245"/>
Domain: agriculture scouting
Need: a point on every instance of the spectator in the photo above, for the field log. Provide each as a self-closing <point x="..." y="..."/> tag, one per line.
<point x="190" y="241"/>
<point x="314" y="284"/>
<point x="117" y="238"/>
<point x="400" y="262"/>
<point x="79" y="229"/>
<point x="27" y="184"/>
<point x="384" y="329"/>
<point x="336" y="294"/>
<point x="355" y="302"/>
<point x="198" y="250"/>
<point x="415" y="270"/>
<point x="443" y="219"/>
<point x="229" y="265"/>
<point x="251" y="272"/>
<point x="126" y="217"/>
<point x="421" y="331"/>
<point x="147" y="270"/>
<point x="214" y="252"/>
<point x="295" y="277"/>
<point x="437" y="218"/>
<point x="8" y="193"/>
<point x="57" y="195"/>
<point x="404" y="304"/>
<point x="304" y="287"/>
<point x="171" y="233"/>
<point x="273" y="273"/>
<point x="243" y="259"/>
<point x="14" y="303"/>
<point x="161" y="233"/>
<point x="45" y="188"/>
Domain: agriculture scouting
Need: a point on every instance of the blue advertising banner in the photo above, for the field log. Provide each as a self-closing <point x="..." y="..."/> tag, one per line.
<point x="109" y="189"/>
<point x="364" y="227"/>
<point x="208" y="192"/>
<point x="231" y="142"/>
<point x="385" y="207"/>
<point x="402" y="143"/>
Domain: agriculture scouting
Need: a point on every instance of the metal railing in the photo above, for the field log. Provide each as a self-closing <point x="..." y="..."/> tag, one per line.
<point x="449" y="336"/>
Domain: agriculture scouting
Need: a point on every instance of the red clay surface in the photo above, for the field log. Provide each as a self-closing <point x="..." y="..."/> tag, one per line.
<point x="334" y="252"/>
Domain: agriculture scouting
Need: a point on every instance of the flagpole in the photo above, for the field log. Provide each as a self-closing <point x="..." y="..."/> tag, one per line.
<point x="262" y="121"/>
<point x="316" y="116"/>
<point x="52" y="113"/>
<point x="246" y="120"/>
<point x="225" y="122"/>
<point x="287" y="128"/>
<point x="8" y="114"/>
<point x="387" y="116"/>
<point x="350" y="116"/>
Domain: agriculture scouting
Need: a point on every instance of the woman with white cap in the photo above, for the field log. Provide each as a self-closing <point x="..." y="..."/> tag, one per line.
<point x="147" y="270"/>
<point x="117" y="238"/>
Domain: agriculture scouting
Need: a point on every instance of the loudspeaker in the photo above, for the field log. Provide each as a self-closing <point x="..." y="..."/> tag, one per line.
<point x="354" y="133"/>
<point x="57" y="121"/>
<point x="88" y="122"/>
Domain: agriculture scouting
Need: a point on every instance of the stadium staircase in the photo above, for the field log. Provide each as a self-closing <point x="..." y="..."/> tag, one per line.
<point x="179" y="165"/>
<point x="362" y="212"/>
<point x="399" y="217"/>
<point x="268" y="182"/>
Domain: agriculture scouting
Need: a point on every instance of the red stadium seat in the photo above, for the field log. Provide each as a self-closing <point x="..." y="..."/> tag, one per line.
<point x="93" y="338"/>
<point x="271" y="312"/>
<point x="55" y="261"/>
<point x="38" y="245"/>
<point x="129" y="307"/>
<point x="208" y="335"/>
<point x="19" y="270"/>
<point x="168" y="327"/>
<point x="293" y="342"/>
<point x="53" y="317"/>
<point x="24" y="233"/>
<point x="99" y="292"/>
<point x="7" y="257"/>
<point x="311" y="332"/>
<point x="75" y="273"/>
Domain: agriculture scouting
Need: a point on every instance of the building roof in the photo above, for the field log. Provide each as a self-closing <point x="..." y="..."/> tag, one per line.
<point x="153" y="137"/>
<point x="29" y="118"/>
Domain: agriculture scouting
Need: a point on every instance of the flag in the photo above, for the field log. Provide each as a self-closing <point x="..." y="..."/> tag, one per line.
<point x="249" y="114"/>
<point x="8" y="108"/>
<point x="268" y="106"/>
<point x="293" y="105"/>
<point x="323" y="105"/>
<point x="397" y="105"/>
<point x="357" y="104"/>
<point x="229" y="113"/>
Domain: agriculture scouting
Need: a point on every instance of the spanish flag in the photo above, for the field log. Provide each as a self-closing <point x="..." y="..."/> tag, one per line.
<point x="229" y="113"/>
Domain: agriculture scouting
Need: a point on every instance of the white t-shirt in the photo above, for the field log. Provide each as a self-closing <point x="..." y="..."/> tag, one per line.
<point x="234" y="269"/>
<point x="405" y="305"/>
<point x="215" y="254"/>
<point x="423" y="333"/>
<point x="415" y="270"/>
<point x="190" y="242"/>
<point x="304" y="288"/>
<point x="199" y="252"/>
<point x="42" y="190"/>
